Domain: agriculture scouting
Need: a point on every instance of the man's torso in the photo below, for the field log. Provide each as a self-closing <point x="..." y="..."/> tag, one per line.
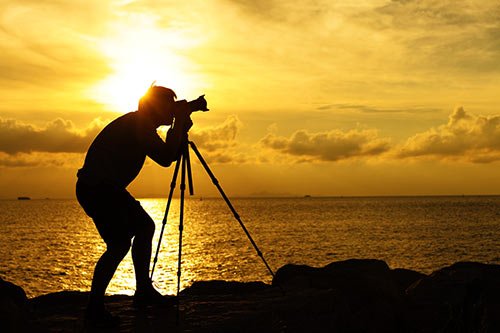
<point x="118" y="153"/>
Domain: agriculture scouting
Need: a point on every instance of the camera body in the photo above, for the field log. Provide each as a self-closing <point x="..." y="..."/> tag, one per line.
<point x="199" y="104"/>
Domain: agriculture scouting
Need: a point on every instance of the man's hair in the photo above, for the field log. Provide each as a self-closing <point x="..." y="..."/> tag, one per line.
<point x="156" y="94"/>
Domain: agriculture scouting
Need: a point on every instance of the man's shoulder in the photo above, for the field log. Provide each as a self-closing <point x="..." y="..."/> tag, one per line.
<point x="129" y="116"/>
<point x="124" y="120"/>
<point x="133" y="125"/>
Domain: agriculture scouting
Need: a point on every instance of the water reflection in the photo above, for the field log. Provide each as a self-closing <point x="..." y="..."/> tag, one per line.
<point x="49" y="246"/>
<point x="210" y="246"/>
<point x="214" y="246"/>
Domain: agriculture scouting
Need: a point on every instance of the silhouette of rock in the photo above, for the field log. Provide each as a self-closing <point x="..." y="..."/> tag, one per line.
<point x="224" y="287"/>
<point x="13" y="307"/>
<point x="365" y="296"/>
<point x="360" y="272"/>
<point x="463" y="297"/>
<point x="347" y="296"/>
<point x="404" y="278"/>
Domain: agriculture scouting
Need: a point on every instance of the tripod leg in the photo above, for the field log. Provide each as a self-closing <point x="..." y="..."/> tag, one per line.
<point x="181" y="217"/>
<point x="221" y="191"/>
<point x="189" y="174"/>
<point x="164" y="222"/>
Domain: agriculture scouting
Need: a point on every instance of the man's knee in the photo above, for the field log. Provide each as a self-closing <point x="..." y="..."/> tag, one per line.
<point x="146" y="229"/>
<point x="118" y="248"/>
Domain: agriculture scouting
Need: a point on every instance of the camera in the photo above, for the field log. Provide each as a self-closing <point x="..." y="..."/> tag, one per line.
<point x="199" y="104"/>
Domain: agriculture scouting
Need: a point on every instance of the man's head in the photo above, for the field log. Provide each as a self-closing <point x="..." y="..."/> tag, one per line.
<point x="158" y="103"/>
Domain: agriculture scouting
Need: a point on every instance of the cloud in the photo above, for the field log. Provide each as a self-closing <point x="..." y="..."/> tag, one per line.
<point x="40" y="159"/>
<point x="377" y="110"/>
<point x="16" y="161"/>
<point x="282" y="11"/>
<point x="334" y="145"/>
<point x="458" y="34"/>
<point x="465" y="136"/>
<point x="219" y="142"/>
<point x="20" y="143"/>
<point x="218" y="137"/>
<point x="58" y="136"/>
<point x="46" y="43"/>
<point x="454" y="13"/>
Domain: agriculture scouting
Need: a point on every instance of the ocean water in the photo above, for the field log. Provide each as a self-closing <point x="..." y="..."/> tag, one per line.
<point x="51" y="245"/>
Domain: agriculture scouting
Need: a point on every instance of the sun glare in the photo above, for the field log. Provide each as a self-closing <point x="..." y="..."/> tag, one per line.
<point x="140" y="55"/>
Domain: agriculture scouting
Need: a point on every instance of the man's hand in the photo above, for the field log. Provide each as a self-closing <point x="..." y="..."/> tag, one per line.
<point x="188" y="123"/>
<point x="182" y="116"/>
<point x="181" y="110"/>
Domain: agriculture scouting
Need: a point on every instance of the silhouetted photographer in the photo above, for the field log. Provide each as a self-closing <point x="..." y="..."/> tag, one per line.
<point x="113" y="161"/>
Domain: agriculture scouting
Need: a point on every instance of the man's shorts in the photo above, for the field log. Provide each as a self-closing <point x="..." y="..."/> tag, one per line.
<point x="116" y="214"/>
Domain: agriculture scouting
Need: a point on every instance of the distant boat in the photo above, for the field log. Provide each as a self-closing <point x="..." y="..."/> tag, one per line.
<point x="23" y="198"/>
<point x="307" y="196"/>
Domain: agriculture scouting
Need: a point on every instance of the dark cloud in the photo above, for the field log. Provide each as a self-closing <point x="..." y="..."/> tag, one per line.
<point x="465" y="136"/>
<point x="56" y="137"/>
<point x="329" y="146"/>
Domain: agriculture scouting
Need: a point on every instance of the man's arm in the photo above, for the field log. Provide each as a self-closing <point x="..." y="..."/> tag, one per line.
<point x="164" y="153"/>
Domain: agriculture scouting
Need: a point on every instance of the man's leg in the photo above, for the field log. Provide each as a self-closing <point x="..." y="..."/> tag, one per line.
<point x="145" y="293"/>
<point x="141" y="253"/>
<point x="104" y="271"/>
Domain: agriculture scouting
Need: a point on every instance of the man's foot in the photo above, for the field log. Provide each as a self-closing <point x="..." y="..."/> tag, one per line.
<point x="151" y="296"/>
<point x="99" y="317"/>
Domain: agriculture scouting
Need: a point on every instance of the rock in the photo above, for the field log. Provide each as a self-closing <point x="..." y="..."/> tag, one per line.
<point x="404" y="278"/>
<point x="363" y="295"/>
<point x="347" y="296"/>
<point x="13" y="307"/>
<point x="301" y="276"/>
<point x="218" y="287"/>
<point x="464" y="297"/>
<point x="293" y="276"/>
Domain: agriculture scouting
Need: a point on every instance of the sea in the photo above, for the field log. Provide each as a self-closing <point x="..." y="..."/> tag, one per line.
<point x="51" y="245"/>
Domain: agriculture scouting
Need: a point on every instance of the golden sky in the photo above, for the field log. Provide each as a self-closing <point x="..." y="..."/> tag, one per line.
<point x="368" y="97"/>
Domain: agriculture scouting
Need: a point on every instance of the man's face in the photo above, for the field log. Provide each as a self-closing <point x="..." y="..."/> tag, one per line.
<point x="164" y="111"/>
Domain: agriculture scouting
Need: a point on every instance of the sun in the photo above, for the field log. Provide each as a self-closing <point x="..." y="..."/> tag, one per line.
<point x="142" y="55"/>
<point x="132" y="77"/>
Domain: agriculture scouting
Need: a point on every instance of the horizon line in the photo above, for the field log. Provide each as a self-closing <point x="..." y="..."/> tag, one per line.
<point x="270" y="196"/>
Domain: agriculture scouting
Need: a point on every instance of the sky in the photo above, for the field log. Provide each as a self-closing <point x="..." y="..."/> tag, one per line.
<point x="325" y="97"/>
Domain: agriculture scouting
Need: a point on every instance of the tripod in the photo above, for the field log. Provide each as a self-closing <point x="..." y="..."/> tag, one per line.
<point x="185" y="164"/>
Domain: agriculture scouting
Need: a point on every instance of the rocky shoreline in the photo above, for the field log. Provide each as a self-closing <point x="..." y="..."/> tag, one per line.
<point x="357" y="295"/>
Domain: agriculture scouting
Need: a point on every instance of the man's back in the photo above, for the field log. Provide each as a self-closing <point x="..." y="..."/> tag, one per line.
<point x="118" y="153"/>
